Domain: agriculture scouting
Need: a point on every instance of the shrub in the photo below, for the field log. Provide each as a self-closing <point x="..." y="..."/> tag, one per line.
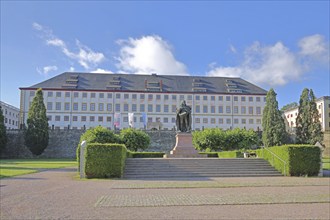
<point x="210" y="154"/>
<point x="105" y="160"/>
<point x="97" y="135"/>
<point x="135" y="139"/>
<point x="131" y="154"/>
<point x="300" y="160"/>
<point x="230" y="154"/>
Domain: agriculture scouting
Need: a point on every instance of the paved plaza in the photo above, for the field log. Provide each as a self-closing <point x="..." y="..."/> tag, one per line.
<point x="60" y="194"/>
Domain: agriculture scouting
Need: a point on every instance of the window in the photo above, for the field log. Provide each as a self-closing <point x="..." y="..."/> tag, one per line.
<point x="165" y="97"/>
<point x="258" y="121"/>
<point x="134" y="96"/>
<point x="109" y="107"/>
<point x="243" y="98"/>
<point x="197" y="97"/>
<point x="74" y="118"/>
<point x="142" y="108"/>
<point x="109" y="95"/>
<point x="228" y="98"/>
<point x="108" y="118"/>
<point x="189" y="97"/>
<point x="58" y="94"/>
<point x="83" y="106"/>
<point x="50" y="94"/>
<point x="243" y="110"/>
<point x="258" y="110"/>
<point x="157" y="108"/>
<point x="100" y="118"/>
<point x="157" y="97"/>
<point x="212" y="120"/>
<point x="197" y="109"/>
<point x="75" y="106"/>
<point x="173" y="120"/>
<point x="251" y="110"/>
<point x="250" y="99"/>
<point x="228" y="109"/>
<point x="150" y="97"/>
<point x="92" y="107"/>
<point x="264" y="99"/>
<point x="76" y="94"/>
<point x="220" y="109"/>
<point x="67" y="106"/>
<point x="173" y="108"/>
<point x="93" y="95"/>
<point x="134" y="108"/>
<point x="235" y="109"/>
<point x="181" y="97"/>
<point x="150" y="108"/>
<point x="212" y="98"/>
<point x="205" y="120"/>
<point x="117" y="107"/>
<point x="49" y="117"/>
<point x="126" y="96"/>
<point x="117" y="95"/>
<point x="235" y="121"/>
<point x="58" y="106"/>
<point x="101" y="107"/>
<point x="165" y="120"/>
<point x="205" y="109"/>
<point x="165" y="108"/>
<point x="66" y="118"/>
<point x="91" y="118"/>
<point x="32" y="93"/>
<point x="228" y="121"/>
<point x="67" y="94"/>
<point x="49" y="106"/>
<point x="149" y="119"/>
<point x="220" y="120"/>
<point x="125" y="107"/>
<point x="141" y="119"/>
<point x="243" y="121"/>
<point x="57" y="118"/>
<point x="235" y="98"/>
<point x="197" y="120"/>
<point x="125" y="119"/>
<point x="212" y="109"/>
<point x="204" y="97"/>
<point x="220" y="98"/>
<point x="258" y="99"/>
<point x="101" y="95"/>
<point x="251" y="121"/>
<point x="173" y="97"/>
<point x="84" y="94"/>
<point x="141" y="96"/>
<point x="83" y="118"/>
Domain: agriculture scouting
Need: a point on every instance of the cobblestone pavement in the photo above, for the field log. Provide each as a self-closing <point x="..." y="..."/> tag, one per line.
<point x="58" y="194"/>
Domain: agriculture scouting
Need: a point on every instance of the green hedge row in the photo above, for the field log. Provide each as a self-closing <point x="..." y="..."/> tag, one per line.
<point x="131" y="154"/>
<point x="230" y="154"/>
<point x="105" y="160"/>
<point x="210" y="154"/>
<point x="301" y="160"/>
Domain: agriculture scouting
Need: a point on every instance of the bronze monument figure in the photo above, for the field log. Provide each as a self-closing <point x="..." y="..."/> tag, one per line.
<point x="183" y="118"/>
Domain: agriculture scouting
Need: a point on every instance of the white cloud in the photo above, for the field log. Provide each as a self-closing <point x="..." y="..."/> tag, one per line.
<point x="85" y="56"/>
<point x="45" y="70"/>
<point x="147" y="55"/>
<point x="276" y="64"/>
<point x="232" y="48"/>
<point x="99" y="70"/>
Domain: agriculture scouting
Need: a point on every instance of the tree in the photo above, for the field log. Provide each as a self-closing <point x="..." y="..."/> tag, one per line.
<point x="36" y="134"/>
<point x="274" y="133"/>
<point x="135" y="139"/>
<point x="3" y="134"/>
<point x="308" y="126"/>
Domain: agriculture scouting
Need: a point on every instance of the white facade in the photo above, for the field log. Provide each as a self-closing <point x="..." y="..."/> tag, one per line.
<point x="11" y="115"/>
<point x="323" y="106"/>
<point x="75" y="109"/>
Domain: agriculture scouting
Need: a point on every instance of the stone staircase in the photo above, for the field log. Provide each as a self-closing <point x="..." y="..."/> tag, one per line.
<point x="177" y="168"/>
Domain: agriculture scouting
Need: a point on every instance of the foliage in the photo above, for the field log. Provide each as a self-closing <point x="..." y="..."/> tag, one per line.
<point x="217" y="139"/>
<point x="300" y="160"/>
<point x="3" y="134"/>
<point x="36" y="135"/>
<point x="274" y="133"/>
<point x="135" y="139"/>
<point x="210" y="154"/>
<point x="105" y="160"/>
<point x="308" y="125"/>
<point x="230" y="154"/>
<point x="131" y="154"/>
<point x="98" y="134"/>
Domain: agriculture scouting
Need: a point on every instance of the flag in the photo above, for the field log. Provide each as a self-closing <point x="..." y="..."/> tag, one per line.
<point x="144" y="117"/>
<point x="116" y="120"/>
<point x="131" y="119"/>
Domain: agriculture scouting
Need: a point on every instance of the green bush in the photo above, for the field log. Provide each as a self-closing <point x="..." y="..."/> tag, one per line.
<point x="105" y="160"/>
<point x="230" y="154"/>
<point x="210" y="154"/>
<point x="97" y="135"/>
<point x="134" y="139"/>
<point x="131" y="154"/>
<point x="301" y="160"/>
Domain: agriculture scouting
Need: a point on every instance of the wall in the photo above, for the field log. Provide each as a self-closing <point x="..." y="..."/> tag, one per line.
<point x="63" y="143"/>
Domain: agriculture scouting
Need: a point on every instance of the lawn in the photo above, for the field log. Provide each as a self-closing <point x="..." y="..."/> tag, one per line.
<point x="12" y="167"/>
<point x="326" y="163"/>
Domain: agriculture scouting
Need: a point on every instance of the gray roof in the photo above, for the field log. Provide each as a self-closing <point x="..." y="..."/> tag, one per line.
<point x="153" y="82"/>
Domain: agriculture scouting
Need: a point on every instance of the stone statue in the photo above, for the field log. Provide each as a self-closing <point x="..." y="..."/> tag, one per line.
<point x="183" y="117"/>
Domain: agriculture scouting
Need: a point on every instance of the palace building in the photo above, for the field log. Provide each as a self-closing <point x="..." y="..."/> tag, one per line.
<point x="11" y="115"/>
<point x="83" y="100"/>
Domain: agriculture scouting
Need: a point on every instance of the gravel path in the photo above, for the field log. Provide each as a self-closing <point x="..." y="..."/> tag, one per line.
<point x="58" y="194"/>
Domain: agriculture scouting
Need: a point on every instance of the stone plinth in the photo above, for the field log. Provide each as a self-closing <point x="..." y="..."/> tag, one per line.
<point x="183" y="147"/>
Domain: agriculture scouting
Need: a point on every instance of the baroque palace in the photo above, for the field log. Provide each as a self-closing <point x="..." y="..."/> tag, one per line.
<point x="83" y="100"/>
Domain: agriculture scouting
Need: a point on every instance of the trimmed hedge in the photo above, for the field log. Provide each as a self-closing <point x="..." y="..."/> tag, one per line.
<point x="210" y="154"/>
<point x="105" y="160"/>
<point x="131" y="154"/>
<point x="301" y="160"/>
<point x="230" y="154"/>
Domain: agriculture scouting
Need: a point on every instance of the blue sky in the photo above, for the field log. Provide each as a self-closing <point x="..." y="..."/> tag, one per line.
<point x="276" y="44"/>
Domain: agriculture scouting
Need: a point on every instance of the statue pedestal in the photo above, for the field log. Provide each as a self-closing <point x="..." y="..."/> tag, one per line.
<point x="183" y="147"/>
